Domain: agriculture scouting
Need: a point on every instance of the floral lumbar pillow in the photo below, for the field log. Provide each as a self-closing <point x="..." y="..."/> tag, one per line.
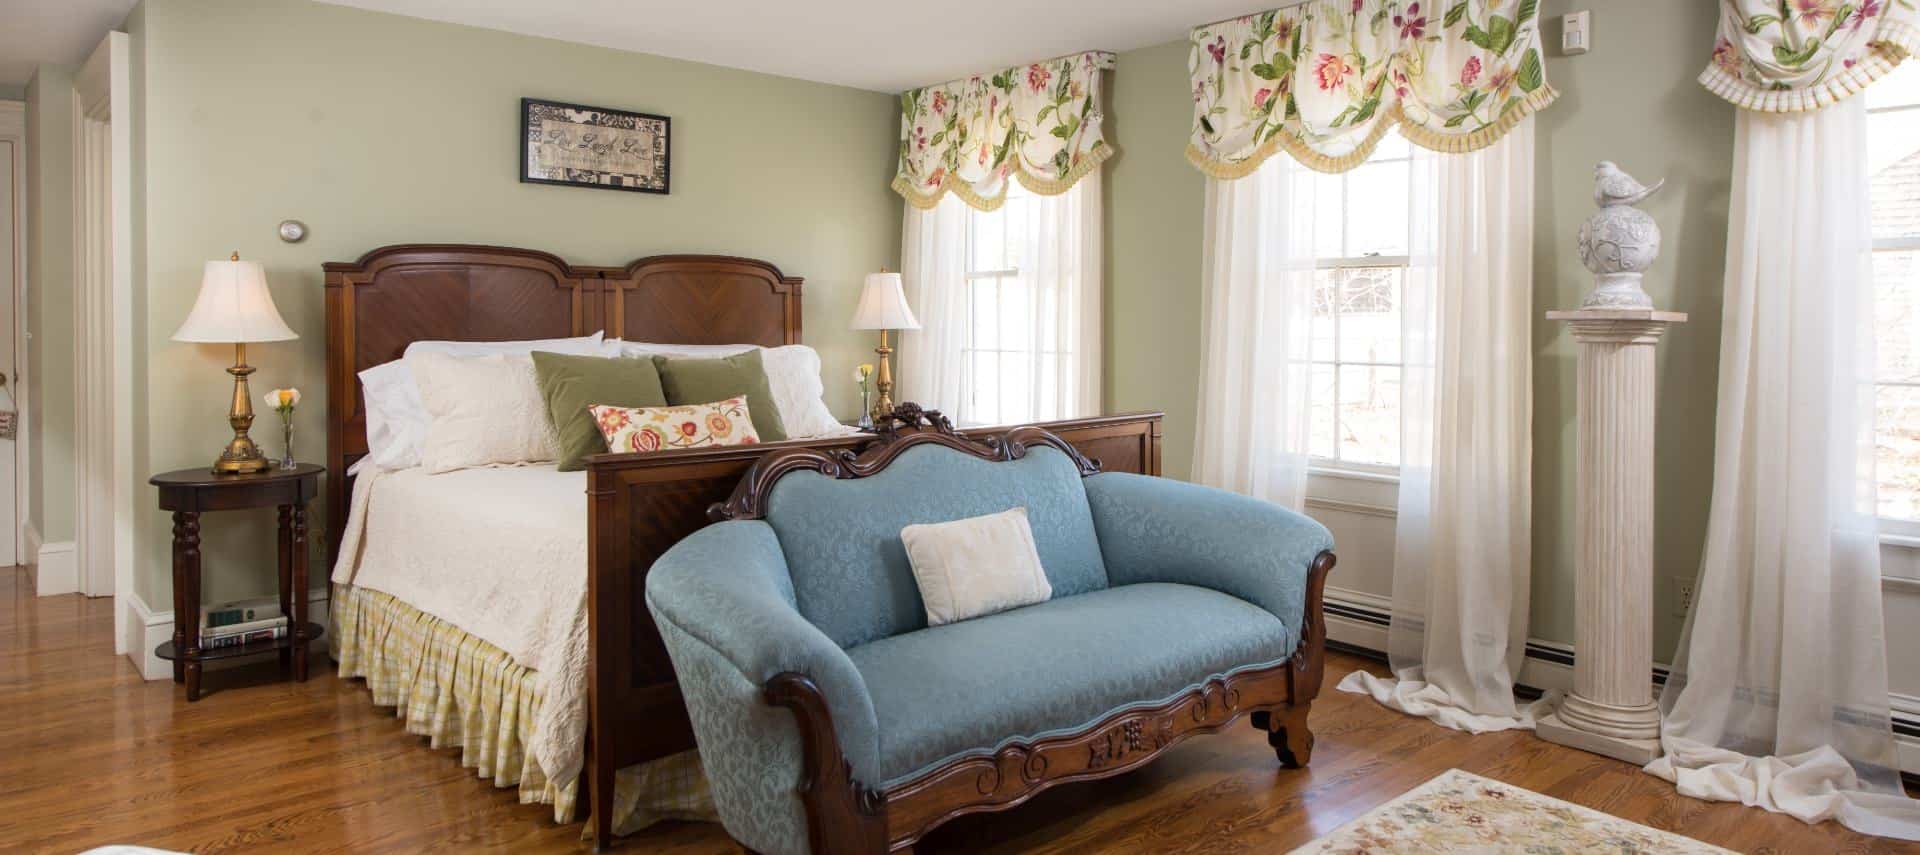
<point x="629" y="429"/>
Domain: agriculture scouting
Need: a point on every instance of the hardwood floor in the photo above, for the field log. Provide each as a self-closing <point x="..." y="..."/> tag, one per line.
<point x="91" y="754"/>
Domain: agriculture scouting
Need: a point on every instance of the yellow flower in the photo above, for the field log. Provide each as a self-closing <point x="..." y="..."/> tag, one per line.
<point x="283" y="400"/>
<point x="862" y="372"/>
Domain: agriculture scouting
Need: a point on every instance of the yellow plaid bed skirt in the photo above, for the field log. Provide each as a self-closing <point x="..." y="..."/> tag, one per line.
<point x="461" y="692"/>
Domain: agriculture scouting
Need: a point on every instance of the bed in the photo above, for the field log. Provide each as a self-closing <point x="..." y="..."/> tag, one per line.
<point x="634" y="506"/>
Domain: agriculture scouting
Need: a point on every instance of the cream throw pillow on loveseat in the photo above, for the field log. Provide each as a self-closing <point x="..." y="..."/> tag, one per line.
<point x="976" y="566"/>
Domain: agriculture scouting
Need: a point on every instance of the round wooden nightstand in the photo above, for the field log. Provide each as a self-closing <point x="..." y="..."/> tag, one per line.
<point x="190" y="492"/>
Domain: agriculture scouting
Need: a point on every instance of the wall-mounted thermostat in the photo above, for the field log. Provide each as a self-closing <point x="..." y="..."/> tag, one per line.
<point x="1576" y="33"/>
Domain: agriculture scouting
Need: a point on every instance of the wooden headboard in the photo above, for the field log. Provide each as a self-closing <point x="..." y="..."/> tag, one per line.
<point x="397" y="295"/>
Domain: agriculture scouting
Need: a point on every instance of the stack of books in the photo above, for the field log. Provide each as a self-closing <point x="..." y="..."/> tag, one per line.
<point x="245" y="622"/>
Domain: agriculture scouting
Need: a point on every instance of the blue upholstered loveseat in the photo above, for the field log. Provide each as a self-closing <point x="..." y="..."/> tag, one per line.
<point x="830" y="718"/>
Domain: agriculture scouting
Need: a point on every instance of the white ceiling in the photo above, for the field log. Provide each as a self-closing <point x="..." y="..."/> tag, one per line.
<point x="62" y="32"/>
<point x="882" y="45"/>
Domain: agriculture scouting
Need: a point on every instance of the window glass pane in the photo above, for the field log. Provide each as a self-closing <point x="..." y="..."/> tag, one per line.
<point x="987" y="241"/>
<point x="1016" y="314"/>
<point x="1370" y="414"/>
<point x="1896" y="316"/>
<point x="1370" y="314"/>
<point x="1392" y="146"/>
<point x="1893" y="170"/>
<point x="1320" y="442"/>
<point x="983" y="297"/>
<point x="1897" y="461"/>
<point x="1328" y="207"/>
<point x="980" y="399"/>
<point x="1377" y="222"/>
<point x="1326" y="299"/>
<point x="1899" y="89"/>
<point x="1016" y="214"/>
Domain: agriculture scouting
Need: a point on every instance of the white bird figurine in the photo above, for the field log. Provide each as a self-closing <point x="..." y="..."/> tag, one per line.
<point x="1613" y="186"/>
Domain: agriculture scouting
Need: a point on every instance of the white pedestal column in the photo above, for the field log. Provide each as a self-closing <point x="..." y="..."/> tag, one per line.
<point x="1611" y="709"/>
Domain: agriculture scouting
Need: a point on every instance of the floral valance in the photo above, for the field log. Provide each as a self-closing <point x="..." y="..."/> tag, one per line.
<point x="1326" y="79"/>
<point x="1788" y="56"/>
<point x="1039" y="124"/>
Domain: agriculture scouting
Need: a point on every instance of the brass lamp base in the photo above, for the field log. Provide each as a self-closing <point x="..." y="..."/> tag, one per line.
<point x="241" y="455"/>
<point x="883" y="381"/>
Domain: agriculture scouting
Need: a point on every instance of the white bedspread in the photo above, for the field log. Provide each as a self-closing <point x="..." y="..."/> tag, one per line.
<point x="500" y="553"/>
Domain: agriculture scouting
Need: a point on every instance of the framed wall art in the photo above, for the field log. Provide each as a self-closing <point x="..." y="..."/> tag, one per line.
<point x="583" y="146"/>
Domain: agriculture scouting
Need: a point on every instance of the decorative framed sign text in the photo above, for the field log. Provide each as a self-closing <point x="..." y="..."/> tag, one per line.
<point x="583" y="146"/>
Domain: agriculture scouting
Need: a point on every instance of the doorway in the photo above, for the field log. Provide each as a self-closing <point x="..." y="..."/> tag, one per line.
<point x="13" y="272"/>
<point x="103" y="329"/>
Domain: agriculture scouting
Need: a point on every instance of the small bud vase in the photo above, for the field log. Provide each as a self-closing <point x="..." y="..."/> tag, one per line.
<point x="286" y="460"/>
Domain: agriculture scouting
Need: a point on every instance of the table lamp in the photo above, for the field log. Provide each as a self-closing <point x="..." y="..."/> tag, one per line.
<point x="235" y="307"/>
<point x="883" y="307"/>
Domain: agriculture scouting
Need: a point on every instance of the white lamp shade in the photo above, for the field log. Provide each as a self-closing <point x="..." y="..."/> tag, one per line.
<point x="234" y="307"/>
<point x="883" y="305"/>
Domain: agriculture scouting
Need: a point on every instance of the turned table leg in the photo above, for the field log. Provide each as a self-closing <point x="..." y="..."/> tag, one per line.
<point x="286" y="580"/>
<point x="186" y="600"/>
<point x="298" y="617"/>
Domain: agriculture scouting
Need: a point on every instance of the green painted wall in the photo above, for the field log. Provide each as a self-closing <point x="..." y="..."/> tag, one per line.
<point x="377" y="129"/>
<point x="49" y="369"/>
<point x="1634" y="101"/>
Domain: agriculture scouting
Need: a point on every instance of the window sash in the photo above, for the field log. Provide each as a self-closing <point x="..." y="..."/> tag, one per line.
<point x="1903" y="528"/>
<point x="1336" y="463"/>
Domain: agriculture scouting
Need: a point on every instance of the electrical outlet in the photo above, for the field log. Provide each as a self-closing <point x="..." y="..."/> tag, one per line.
<point x="1683" y="599"/>
<point x="1576" y="33"/>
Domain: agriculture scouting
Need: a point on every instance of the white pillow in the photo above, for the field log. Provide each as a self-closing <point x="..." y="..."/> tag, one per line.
<point x="397" y="417"/>
<point x="976" y="566"/>
<point x="620" y="347"/>
<point x="485" y="409"/>
<point x="793" y="376"/>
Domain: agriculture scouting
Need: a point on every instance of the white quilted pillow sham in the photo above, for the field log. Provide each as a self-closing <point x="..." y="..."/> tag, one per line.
<point x="485" y="410"/>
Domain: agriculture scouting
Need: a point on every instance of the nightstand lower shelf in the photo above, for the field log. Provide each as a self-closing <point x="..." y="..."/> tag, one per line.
<point x="166" y="651"/>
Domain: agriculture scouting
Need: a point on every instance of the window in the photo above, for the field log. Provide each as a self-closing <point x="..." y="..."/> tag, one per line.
<point x="1023" y="294"/>
<point x="997" y="348"/>
<point x="1361" y="247"/>
<point x="1893" y="169"/>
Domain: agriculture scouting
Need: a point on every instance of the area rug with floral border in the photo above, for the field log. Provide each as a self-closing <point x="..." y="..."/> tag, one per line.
<point x="1463" y="812"/>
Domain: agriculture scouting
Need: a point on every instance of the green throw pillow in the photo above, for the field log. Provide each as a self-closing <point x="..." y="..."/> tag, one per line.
<point x="704" y="381"/>
<point x="571" y="384"/>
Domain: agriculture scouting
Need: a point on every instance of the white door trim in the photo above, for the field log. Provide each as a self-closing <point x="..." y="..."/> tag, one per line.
<point x="103" y="321"/>
<point x="13" y="129"/>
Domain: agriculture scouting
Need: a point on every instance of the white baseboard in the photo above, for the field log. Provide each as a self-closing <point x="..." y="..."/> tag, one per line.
<point x="148" y="629"/>
<point x="56" y="569"/>
<point x="1358" y="619"/>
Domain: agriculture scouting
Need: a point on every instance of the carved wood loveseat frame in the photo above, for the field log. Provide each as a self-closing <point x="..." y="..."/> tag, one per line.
<point x="848" y="816"/>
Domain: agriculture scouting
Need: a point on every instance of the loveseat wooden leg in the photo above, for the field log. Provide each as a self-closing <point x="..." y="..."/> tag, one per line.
<point x="1287" y="732"/>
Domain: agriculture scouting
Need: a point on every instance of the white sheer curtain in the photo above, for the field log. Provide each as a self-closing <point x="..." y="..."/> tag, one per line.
<point x="1257" y="276"/>
<point x="1778" y="697"/>
<point x="933" y="272"/>
<point x="1462" y="543"/>
<point x="1007" y="347"/>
